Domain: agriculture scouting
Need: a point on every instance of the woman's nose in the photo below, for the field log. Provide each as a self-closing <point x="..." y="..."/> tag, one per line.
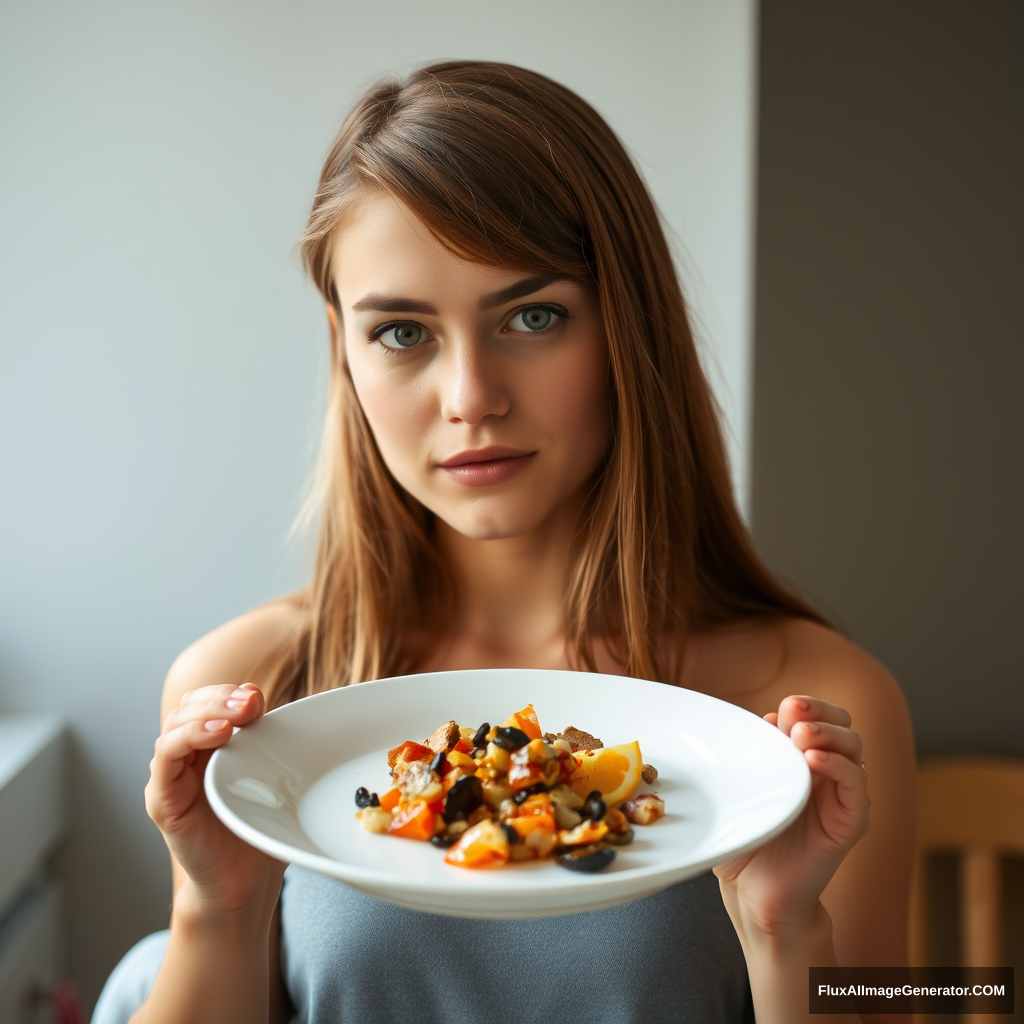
<point x="471" y="384"/>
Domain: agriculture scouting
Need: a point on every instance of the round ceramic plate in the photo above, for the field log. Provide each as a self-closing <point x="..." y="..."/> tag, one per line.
<point x="286" y="785"/>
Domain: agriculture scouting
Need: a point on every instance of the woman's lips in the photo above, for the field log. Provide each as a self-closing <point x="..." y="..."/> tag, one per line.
<point x="485" y="466"/>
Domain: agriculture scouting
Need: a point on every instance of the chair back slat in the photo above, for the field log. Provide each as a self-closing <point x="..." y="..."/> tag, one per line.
<point x="975" y="808"/>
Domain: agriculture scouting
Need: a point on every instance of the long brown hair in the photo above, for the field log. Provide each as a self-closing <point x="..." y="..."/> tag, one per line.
<point x="507" y="168"/>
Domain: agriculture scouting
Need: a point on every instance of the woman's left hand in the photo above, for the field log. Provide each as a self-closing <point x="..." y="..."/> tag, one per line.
<point x="776" y="888"/>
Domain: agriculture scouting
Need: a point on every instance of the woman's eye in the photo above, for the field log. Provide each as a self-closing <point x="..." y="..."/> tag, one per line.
<point x="399" y="336"/>
<point x="534" y="318"/>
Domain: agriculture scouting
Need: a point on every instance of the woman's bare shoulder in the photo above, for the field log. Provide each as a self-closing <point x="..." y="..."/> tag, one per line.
<point x="820" y="662"/>
<point x="240" y="651"/>
<point x="756" y="664"/>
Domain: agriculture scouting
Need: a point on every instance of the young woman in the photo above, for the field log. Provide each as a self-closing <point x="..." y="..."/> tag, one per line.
<point x="523" y="466"/>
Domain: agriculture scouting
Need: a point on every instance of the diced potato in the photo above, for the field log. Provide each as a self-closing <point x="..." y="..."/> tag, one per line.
<point x="542" y="843"/>
<point x="566" y="816"/>
<point x="567" y="795"/>
<point x="482" y="813"/>
<point x="374" y="819"/>
<point x="497" y="757"/>
<point x="496" y="793"/>
<point x="644" y="809"/>
<point x="584" y="833"/>
<point x="459" y="760"/>
<point x="418" y="782"/>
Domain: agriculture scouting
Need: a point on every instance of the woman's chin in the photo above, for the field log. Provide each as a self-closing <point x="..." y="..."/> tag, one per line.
<point x="492" y="524"/>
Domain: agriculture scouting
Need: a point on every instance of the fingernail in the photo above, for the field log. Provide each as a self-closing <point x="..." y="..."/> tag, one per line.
<point x="811" y="726"/>
<point x="803" y="704"/>
<point x="216" y="724"/>
<point x="241" y="693"/>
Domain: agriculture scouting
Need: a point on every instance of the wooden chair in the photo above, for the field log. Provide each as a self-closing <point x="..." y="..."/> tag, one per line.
<point x="974" y="807"/>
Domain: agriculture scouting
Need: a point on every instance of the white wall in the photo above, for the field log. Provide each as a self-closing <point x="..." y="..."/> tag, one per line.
<point x="161" y="370"/>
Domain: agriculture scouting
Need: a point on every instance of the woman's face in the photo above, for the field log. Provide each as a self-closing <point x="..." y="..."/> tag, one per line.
<point x="487" y="390"/>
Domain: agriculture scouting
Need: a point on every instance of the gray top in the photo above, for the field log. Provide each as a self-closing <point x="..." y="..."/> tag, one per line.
<point x="349" y="958"/>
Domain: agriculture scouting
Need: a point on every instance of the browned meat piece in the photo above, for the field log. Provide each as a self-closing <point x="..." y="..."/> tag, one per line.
<point x="580" y="740"/>
<point x="644" y="809"/>
<point x="648" y="773"/>
<point x="443" y="738"/>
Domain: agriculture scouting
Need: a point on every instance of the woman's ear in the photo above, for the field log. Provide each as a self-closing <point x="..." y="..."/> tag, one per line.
<point x="337" y="334"/>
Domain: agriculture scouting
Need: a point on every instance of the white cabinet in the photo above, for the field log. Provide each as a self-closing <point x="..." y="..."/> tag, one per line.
<point x="32" y="820"/>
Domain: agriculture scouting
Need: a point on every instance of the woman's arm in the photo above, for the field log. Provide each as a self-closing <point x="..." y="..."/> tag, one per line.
<point x="827" y="892"/>
<point x="217" y="963"/>
<point x="222" y="959"/>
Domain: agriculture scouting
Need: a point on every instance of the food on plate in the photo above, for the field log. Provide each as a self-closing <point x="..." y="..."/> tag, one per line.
<point x="614" y="771"/>
<point x="512" y="793"/>
<point x="644" y="809"/>
<point x="578" y="739"/>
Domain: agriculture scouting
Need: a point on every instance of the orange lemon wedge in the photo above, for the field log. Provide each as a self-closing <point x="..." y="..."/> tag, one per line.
<point x="615" y="771"/>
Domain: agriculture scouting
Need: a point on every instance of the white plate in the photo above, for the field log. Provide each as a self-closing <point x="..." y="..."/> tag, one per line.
<point x="286" y="785"/>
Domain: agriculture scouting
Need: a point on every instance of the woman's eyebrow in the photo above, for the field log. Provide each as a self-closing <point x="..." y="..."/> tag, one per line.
<point x="518" y="290"/>
<point x="376" y="302"/>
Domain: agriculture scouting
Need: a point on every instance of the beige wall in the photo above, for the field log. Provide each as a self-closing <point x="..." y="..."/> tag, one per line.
<point x="889" y="370"/>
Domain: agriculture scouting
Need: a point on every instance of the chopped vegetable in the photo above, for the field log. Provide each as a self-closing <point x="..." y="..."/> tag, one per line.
<point x="511" y="792"/>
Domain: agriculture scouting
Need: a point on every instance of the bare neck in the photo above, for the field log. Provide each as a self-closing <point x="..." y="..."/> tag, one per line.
<point x="511" y="593"/>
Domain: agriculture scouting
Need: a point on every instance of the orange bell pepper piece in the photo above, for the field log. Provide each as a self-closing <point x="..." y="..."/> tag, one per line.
<point x="526" y="720"/>
<point x="413" y="821"/>
<point x="532" y="823"/>
<point x="484" y="845"/>
<point x="522" y="776"/>
<point x="539" y="803"/>
<point x="389" y="801"/>
<point x="409" y="751"/>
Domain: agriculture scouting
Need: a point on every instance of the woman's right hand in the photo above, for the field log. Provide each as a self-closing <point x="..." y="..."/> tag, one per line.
<point x="226" y="872"/>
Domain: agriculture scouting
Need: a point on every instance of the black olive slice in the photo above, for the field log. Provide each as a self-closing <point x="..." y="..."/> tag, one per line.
<point x="523" y="794"/>
<point x="585" y="858"/>
<point x="508" y="737"/>
<point x="444" y="840"/>
<point x="465" y="796"/>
